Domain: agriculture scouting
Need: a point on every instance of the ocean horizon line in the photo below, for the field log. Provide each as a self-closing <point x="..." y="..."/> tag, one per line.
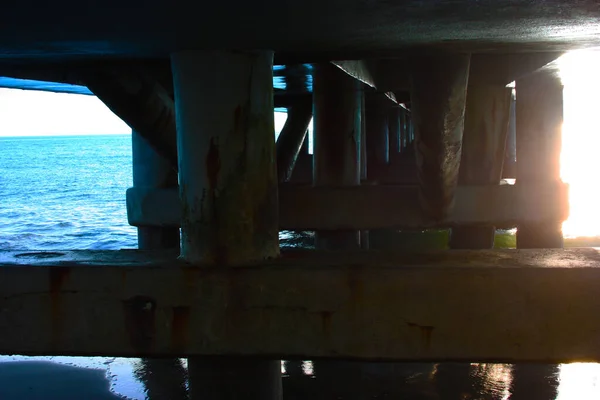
<point x="59" y="135"/>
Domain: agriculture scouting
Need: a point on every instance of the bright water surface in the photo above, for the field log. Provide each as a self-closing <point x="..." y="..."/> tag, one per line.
<point x="69" y="193"/>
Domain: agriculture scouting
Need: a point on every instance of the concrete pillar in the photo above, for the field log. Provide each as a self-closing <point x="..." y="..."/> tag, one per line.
<point x="403" y="130"/>
<point x="438" y="99"/>
<point x="226" y="142"/>
<point x="394" y="133"/>
<point x="291" y="138"/>
<point x="509" y="168"/>
<point x="363" y="139"/>
<point x="161" y="377"/>
<point x="364" y="234"/>
<point x="483" y="149"/>
<point x="377" y="119"/>
<point x="337" y="121"/>
<point x="228" y="189"/>
<point x="152" y="170"/>
<point x="539" y="117"/>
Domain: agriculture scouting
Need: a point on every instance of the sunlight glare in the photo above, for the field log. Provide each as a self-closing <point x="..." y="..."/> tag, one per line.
<point x="580" y="156"/>
<point x="579" y="381"/>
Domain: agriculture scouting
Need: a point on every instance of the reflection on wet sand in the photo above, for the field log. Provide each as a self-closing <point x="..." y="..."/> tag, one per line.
<point x="162" y="378"/>
<point x="157" y="379"/>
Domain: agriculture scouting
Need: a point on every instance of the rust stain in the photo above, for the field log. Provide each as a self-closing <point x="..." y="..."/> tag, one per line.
<point x="123" y="278"/>
<point x="426" y="333"/>
<point x="140" y="322"/>
<point x="355" y="287"/>
<point x="180" y="328"/>
<point x="57" y="277"/>
<point x="237" y="123"/>
<point x="326" y="317"/>
<point x="213" y="164"/>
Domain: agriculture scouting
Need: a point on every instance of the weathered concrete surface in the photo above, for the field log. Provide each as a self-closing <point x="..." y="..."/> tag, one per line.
<point x="438" y="99"/>
<point x="373" y="207"/>
<point x="226" y="145"/>
<point x="153" y="207"/>
<point x="228" y="187"/>
<point x="519" y="305"/>
<point x="539" y="118"/>
<point x="485" y="134"/>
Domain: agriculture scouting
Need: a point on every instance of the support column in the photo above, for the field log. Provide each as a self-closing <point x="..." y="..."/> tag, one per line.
<point x="394" y="133"/>
<point x="539" y="117"/>
<point x="228" y="189"/>
<point x="152" y="170"/>
<point x="365" y="241"/>
<point x="378" y="153"/>
<point x="291" y="138"/>
<point x="509" y="169"/>
<point x="337" y="122"/>
<point x="483" y="149"/>
<point x="403" y="130"/>
<point x="438" y="98"/>
<point x="161" y="377"/>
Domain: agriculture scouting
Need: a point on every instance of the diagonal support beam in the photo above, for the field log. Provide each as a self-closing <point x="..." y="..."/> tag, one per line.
<point x="291" y="138"/>
<point x="141" y="102"/>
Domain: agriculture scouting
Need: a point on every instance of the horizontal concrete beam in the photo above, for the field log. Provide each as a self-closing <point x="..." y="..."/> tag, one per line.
<point x="374" y="207"/>
<point x="492" y="306"/>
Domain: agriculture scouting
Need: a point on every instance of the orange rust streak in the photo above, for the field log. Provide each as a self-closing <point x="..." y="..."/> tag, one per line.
<point x="56" y="278"/>
<point x="180" y="328"/>
<point x="426" y="332"/>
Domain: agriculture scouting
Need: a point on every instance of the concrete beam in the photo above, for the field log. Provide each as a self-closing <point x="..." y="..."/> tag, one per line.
<point x="486" y="306"/>
<point x="393" y="74"/>
<point x="374" y="207"/>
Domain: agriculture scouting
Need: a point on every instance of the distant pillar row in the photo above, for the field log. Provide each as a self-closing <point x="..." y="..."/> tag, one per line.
<point x="228" y="189"/>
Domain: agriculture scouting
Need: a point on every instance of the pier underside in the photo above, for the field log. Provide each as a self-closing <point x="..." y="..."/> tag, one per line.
<point x="414" y="128"/>
<point x="326" y="29"/>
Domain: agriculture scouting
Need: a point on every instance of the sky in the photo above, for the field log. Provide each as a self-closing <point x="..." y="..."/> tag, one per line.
<point x="36" y="113"/>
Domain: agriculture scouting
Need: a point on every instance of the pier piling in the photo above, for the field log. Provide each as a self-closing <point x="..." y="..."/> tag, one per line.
<point x="228" y="188"/>
<point x="539" y="117"/>
<point x="337" y="126"/>
<point x="483" y="148"/>
<point x="153" y="171"/>
<point x="378" y="148"/>
<point x="438" y="98"/>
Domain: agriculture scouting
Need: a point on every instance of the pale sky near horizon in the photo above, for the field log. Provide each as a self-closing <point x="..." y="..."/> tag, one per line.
<point x="36" y="113"/>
